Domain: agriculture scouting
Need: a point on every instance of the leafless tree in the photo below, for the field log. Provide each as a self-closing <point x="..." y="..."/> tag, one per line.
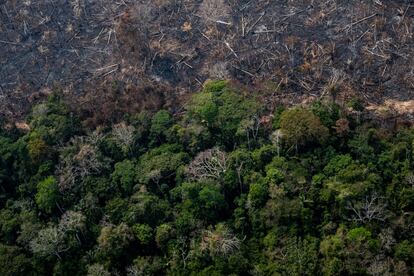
<point x="135" y="270"/>
<point x="155" y="176"/>
<point x="72" y="221"/>
<point x="3" y="98"/>
<point x="380" y="266"/>
<point x="40" y="110"/>
<point x="334" y="83"/>
<point x="239" y="170"/>
<point x="371" y="208"/>
<point x="276" y="138"/>
<point x="84" y="160"/>
<point x="87" y="160"/>
<point x="387" y="239"/>
<point x="93" y="138"/>
<point x="123" y="135"/>
<point x="220" y="241"/>
<point x="410" y="179"/>
<point x="184" y="250"/>
<point x="49" y="241"/>
<point x="250" y="128"/>
<point x="209" y="164"/>
<point x="97" y="270"/>
<point x="82" y="164"/>
<point x="66" y="175"/>
<point x="141" y="14"/>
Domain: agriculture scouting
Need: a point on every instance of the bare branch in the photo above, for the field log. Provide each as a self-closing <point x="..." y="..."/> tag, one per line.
<point x="372" y="208"/>
<point x="209" y="164"/>
<point x="220" y="241"/>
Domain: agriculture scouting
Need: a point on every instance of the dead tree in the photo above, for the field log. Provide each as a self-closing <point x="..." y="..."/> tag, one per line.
<point x="209" y="164"/>
<point x="387" y="239"/>
<point x="49" y="241"/>
<point x="72" y="222"/>
<point x="410" y="180"/>
<point x="276" y="138"/>
<point x="334" y="84"/>
<point x="220" y="241"/>
<point x="371" y="208"/>
<point x="251" y="129"/>
<point x="87" y="161"/>
<point x="123" y="136"/>
<point x="84" y="160"/>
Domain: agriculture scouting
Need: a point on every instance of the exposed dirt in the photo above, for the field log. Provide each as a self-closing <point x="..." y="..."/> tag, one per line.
<point x="289" y="50"/>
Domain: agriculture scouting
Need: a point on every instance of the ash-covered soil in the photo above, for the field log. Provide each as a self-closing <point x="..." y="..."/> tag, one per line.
<point x="125" y="55"/>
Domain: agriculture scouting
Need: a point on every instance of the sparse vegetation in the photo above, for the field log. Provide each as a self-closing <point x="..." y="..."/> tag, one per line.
<point x="325" y="48"/>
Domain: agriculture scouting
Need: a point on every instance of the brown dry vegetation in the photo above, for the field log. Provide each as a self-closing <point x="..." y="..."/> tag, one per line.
<point x="110" y="57"/>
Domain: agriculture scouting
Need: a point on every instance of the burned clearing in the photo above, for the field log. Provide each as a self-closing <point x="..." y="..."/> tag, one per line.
<point x="139" y="54"/>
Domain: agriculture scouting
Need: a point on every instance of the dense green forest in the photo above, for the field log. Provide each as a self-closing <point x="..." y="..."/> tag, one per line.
<point x="222" y="188"/>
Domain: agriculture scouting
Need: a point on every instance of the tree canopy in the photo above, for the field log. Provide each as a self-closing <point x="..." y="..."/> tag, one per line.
<point x="223" y="188"/>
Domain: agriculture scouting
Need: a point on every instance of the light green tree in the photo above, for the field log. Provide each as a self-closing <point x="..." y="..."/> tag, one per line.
<point x="47" y="194"/>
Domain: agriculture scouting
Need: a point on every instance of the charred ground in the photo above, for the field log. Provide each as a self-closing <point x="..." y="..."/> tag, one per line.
<point x="111" y="57"/>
